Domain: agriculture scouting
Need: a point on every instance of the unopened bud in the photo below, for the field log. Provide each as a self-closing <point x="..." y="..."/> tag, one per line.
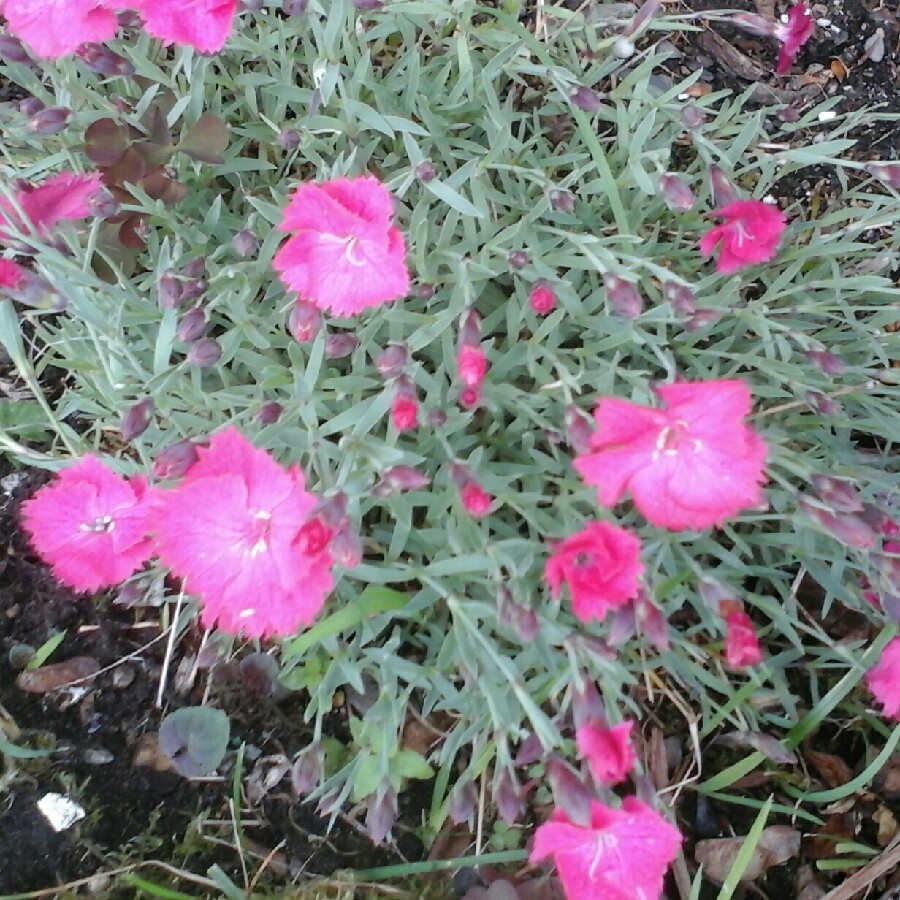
<point x="437" y="418"/>
<point x="848" y="528"/>
<point x="12" y="50"/>
<point x="204" y="353"/>
<point x="509" y="798"/>
<point x="192" y="326"/>
<point x="652" y="623"/>
<point x="692" y="117"/>
<point x="103" y="204"/>
<point x="518" y="259"/>
<point x="470" y="329"/>
<point x="169" y="291"/>
<point x="100" y="59"/>
<point x="677" y="194"/>
<point x="585" y="99"/>
<point x="680" y="296"/>
<point x="700" y="319"/>
<point x="562" y="201"/>
<point x="623" y="297"/>
<point x="30" y="106"/>
<point x="175" y="460"/>
<point x="570" y="792"/>
<point x="423" y="291"/>
<point x="340" y="344"/>
<point x="823" y="404"/>
<point x="425" y="171"/>
<point x="723" y="190"/>
<point x="830" y="363"/>
<point x="305" y="321"/>
<point x="838" y="496"/>
<point x="245" y="243"/>
<point x="470" y="398"/>
<point x="194" y="288"/>
<point x="579" y="430"/>
<point x="136" y="420"/>
<point x="269" y="413"/>
<point x="404" y="478"/>
<point x="194" y="268"/>
<point x="288" y="139"/>
<point x="308" y="770"/>
<point x="346" y="549"/>
<point x="51" y="120"/>
<point x="391" y="361"/>
<point x="542" y="298"/>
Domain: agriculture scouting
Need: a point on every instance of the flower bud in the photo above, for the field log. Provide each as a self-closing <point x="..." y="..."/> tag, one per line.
<point x="404" y="406"/>
<point x="562" y="201"/>
<point x="194" y="268"/>
<point x="509" y="798"/>
<point x="652" y="622"/>
<point x="830" y="363"/>
<point x="518" y="259"/>
<point x="169" y="290"/>
<point x="579" y="430"/>
<point x="754" y="24"/>
<point x="333" y="510"/>
<point x="823" y="404"/>
<point x="12" y="50"/>
<point x="723" y="191"/>
<point x="136" y="420"/>
<point x="423" y="291"/>
<point x="391" y="361"/>
<point x="382" y="806"/>
<point x="204" y="353"/>
<point x="585" y="99"/>
<point x="700" y="319"/>
<point x="51" y="120"/>
<point x="403" y="478"/>
<point x="542" y="298"/>
<point x="469" y="329"/>
<point x="621" y="624"/>
<point x="194" y="288"/>
<point x="288" y="139"/>
<point x="463" y="803"/>
<point x="346" y="549"/>
<point x="623" y="297"/>
<point x="469" y="398"/>
<point x="305" y="321"/>
<point x="175" y="460"/>
<point x="425" y="171"/>
<point x="341" y="344"/>
<point x="680" y="296"/>
<point x="848" y="528"/>
<point x="30" y="106"/>
<point x="742" y="647"/>
<point x="570" y="792"/>
<point x="103" y="204"/>
<point x="472" y="365"/>
<point x="692" y="117"/>
<point x="838" y="496"/>
<point x="437" y="418"/>
<point x="192" y="326"/>
<point x="889" y="174"/>
<point x="270" y="413"/>
<point x="245" y="243"/>
<point x="476" y="500"/>
<point x="100" y="59"/>
<point x="677" y="194"/>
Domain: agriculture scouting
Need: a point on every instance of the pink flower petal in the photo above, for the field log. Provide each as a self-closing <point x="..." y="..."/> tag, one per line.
<point x="202" y="24"/>
<point x="55" y="28"/>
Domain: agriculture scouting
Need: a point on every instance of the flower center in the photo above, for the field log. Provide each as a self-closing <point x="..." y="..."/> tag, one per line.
<point x="605" y="841"/>
<point x="740" y="232"/>
<point x="674" y="439"/>
<point x="259" y="533"/>
<point x="350" y="244"/>
<point x="100" y="525"/>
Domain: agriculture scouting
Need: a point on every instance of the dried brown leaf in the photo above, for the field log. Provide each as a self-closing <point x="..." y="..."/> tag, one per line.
<point x="777" y="844"/>
<point x="830" y="768"/>
<point x="769" y="746"/>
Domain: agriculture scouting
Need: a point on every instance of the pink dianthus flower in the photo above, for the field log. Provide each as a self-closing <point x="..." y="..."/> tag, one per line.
<point x="608" y="751"/>
<point x="798" y="30"/>
<point x="90" y="525"/>
<point x="742" y="647"/>
<point x="884" y="679"/>
<point x="344" y="254"/>
<point x="472" y="363"/>
<point x="476" y="500"/>
<point x="11" y="274"/>
<point x="405" y="412"/>
<point x="542" y="298"/>
<point x="62" y="198"/>
<point x="234" y="531"/>
<point x="55" y="28"/>
<point x="202" y="24"/>
<point x="750" y="235"/>
<point x="622" y="855"/>
<point x="602" y="567"/>
<point x="692" y="465"/>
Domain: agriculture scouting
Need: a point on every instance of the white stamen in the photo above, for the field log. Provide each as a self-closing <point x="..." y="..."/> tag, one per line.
<point x="246" y="613"/>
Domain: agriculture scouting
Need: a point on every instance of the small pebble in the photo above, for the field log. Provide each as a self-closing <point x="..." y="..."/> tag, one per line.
<point x="827" y="115"/>
<point x="49" y="678"/>
<point x="60" y="811"/>
<point x="97" y="756"/>
<point x="122" y="677"/>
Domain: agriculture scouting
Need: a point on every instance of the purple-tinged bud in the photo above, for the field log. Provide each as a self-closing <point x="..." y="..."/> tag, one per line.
<point x="423" y="291"/>
<point x="621" y="624"/>
<point x="332" y="511"/>
<point x="788" y="114"/>
<point x="623" y="297"/>
<point x="192" y="326"/>
<point x="175" y="460"/>
<point x="103" y="204"/>
<point x="308" y="770"/>
<point x="517" y="617"/>
<point x="425" y="171"/>
<point x="754" y="24"/>
<point x="700" y="319"/>
<point x="100" y="59"/>
<point x="136" y="420"/>
<point x="530" y="751"/>
<point x="562" y="201"/>
<point x="194" y="268"/>
<point x="204" y="353"/>
<point x="838" y="496"/>
<point x="509" y="798"/>
<point x="437" y="418"/>
<point x="680" y="296"/>
<point x="692" y="117"/>
<point x="404" y="478"/>
<point x="823" y="404"/>
<point x="646" y="11"/>
<point x="585" y="99"/>
<point x="469" y="329"/>
<point x="381" y="813"/>
<point x="12" y="50"/>
<point x="848" y="528"/>
<point x="330" y="803"/>
<point x="346" y="549"/>
<point x="31" y="106"/>
<point x="305" y="321"/>
<point x="128" y="18"/>
<point x="288" y="139"/>
<point x="587" y="704"/>
<point x="889" y="174"/>
<point x="367" y="5"/>
<point x="341" y="344"/>
<point x="245" y="243"/>
<point x="830" y="363"/>
<point x="723" y="191"/>
<point x="579" y="430"/>
<point x="463" y="803"/>
<point x="570" y="792"/>
<point x="169" y="290"/>
<point x="392" y="360"/>
<point x="518" y="259"/>
<point x="194" y="288"/>
<point x="269" y="413"/>
<point x="677" y="194"/>
<point x="714" y="593"/>
<point x="51" y="120"/>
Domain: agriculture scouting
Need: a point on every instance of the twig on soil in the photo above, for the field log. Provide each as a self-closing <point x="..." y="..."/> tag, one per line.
<point x="170" y="648"/>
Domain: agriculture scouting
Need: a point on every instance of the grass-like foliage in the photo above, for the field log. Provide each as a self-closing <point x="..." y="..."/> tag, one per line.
<point x="521" y="153"/>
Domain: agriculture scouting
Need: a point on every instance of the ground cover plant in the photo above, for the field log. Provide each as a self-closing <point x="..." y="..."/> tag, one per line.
<point x="465" y="364"/>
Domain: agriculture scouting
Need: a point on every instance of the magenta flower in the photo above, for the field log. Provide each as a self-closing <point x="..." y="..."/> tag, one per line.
<point x="542" y="298"/>
<point x="344" y="255"/>
<point x="608" y="751"/>
<point x="405" y="412"/>
<point x="692" y="465"/>
<point x="622" y="855"/>
<point x="472" y="364"/>
<point x="798" y="30"/>
<point x="90" y="525"/>
<point x="884" y="679"/>
<point x="236" y="530"/>
<point x="202" y="24"/>
<point x="63" y="198"/>
<point x="55" y="28"/>
<point x="476" y="500"/>
<point x="11" y="274"/>
<point x="750" y="235"/>
<point x="742" y="647"/>
<point x="601" y="565"/>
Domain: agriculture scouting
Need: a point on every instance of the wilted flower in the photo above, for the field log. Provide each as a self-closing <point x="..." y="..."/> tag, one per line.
<point x="798" y="30"/>
<point x="425" y="171"/>
<point x="602" y="567"/>
<point x="175" y="460"/>
<point x="750" y="235"/>
<point x="742" y="647"/>
<point x="542" y="298"/>
<point x="308" y="770"/>
<point x="50" y="120"/>
<point x="305" y="321"/>
<point x="579" y="429"/>
<point x="694" y="464"/>
<point x="201" y="24"/>
<point x="344" y="255"/>
<point x="381" y="812"/>
<point x="676" y="193"/>
<point x="90" y="525"/>
<point x="346" y="548"/>
<point x="509" y="797"/>
<point x="848" y="528"/>
<point x="608" y="751"/>
<point x="340" y="344"/>
<point x="53" y="29"/>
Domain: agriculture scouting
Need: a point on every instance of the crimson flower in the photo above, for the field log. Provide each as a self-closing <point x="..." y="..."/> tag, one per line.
<point x="542" y="298"/>
<point x="608" y="751"/>
<point x="741" y="644"/>
<point x="63" y="198"/>
<point x="750" y="235"/>
<point x="472" y="364"/>
<point x="884" y="679"/>
<point x="798" y="30"/>
<point x="11" y="274"/>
